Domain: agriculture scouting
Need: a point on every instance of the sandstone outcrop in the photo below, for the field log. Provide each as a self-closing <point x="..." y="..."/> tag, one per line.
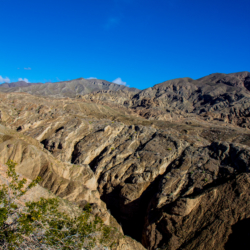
<point x="200" y="200"/>
<point x="75" y="183"/>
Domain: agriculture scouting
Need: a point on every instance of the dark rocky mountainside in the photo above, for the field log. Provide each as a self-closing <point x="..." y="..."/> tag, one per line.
<point x="215" y="97"/>
<point x="169" y="165"/>
<point x="240" y="79"/>
<point x="72" y="88"/>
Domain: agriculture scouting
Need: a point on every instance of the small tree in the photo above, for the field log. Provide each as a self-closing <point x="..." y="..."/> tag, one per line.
<point x="40" y="225"/>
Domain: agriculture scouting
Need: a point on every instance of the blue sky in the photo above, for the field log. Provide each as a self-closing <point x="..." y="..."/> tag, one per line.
<point x="137" y="42"/>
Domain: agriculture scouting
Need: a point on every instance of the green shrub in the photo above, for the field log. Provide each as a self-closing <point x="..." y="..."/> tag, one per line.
<point x="40" y="225"/>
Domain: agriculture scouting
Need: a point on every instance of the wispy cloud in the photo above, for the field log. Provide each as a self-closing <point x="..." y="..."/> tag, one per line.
<point x="27" y="68"/>
<point x="6" y="79"/>
<point x="112" y="22"/>
<point x="119" y="81"/>
<point x="89" y="78"/>
<point x="23" y="79"/>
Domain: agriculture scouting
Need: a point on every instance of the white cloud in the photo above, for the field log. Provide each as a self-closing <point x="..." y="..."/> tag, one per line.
<point x="89" y="78"/>
<point x="23" y="79"/>
<point x="6" y="79"/>
<point x="119" y="81"/>
<point x="27" y="68"/>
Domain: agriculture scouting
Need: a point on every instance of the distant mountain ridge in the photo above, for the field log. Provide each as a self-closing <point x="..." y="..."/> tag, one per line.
<point x="83" y="86"/>
<point x="217" y="96"/>
<point x="17" y="84"/>
<point x="71" y="88"/>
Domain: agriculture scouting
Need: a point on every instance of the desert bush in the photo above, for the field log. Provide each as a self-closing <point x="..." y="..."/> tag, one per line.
<point x="40" y="225"/>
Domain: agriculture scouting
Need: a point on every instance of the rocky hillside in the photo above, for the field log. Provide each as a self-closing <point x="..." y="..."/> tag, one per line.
<point x="162" y="165"/>
<point x="72" y="88"/>
<point x="219" y="97"/>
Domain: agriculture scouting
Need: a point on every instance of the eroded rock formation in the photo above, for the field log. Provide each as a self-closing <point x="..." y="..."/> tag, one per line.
<point x="170" y="163"/>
